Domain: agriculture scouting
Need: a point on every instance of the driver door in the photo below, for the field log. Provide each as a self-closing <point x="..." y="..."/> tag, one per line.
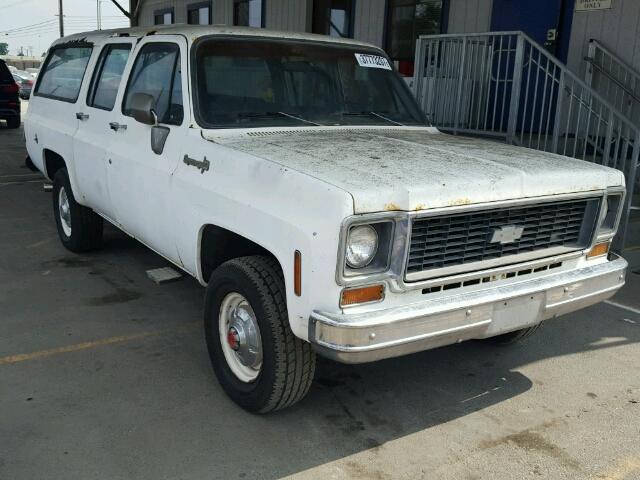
<point x="140" y="181"/>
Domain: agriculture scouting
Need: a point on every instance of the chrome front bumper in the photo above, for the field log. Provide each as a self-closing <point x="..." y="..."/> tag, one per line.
<point x="366" y="337"/>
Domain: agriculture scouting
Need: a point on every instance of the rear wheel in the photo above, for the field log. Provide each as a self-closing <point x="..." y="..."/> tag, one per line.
<point x="13" y="122"/>
<point x="258" y="360"/>
<point x="79" y="227"/>
<point x="514" y="337"/>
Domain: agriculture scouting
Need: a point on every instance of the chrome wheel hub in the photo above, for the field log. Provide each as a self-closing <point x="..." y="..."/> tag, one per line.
<point x="240" y="337"/>
<point x="65" y="211"/>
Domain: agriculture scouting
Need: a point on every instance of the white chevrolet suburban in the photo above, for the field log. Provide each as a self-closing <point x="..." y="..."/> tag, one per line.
<point x="297" y="179"/>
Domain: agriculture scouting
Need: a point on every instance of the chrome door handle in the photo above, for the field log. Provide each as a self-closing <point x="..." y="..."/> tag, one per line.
<point x="203" y="165"/>
<point x="115" y="126"/>
<point x="82" y="116"/>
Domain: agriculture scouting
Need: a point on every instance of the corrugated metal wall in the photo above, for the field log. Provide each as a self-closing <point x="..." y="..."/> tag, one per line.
<point x="369" y="21"/>
<point x="618" y="29"/>
<point x="222" y="12"/>
<point x="469" y="16"/>
<point x="290" y="15"/>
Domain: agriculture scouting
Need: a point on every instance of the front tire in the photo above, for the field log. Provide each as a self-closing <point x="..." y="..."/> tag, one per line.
<point x="257" y="359"/>
<point x="79" y="228"/>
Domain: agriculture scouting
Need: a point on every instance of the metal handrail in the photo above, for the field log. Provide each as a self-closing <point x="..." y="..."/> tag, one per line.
<point x="621" y="89"/>
<point x="506" y="85"/>
<point x="601" y="69"/>
<point x="548" y="56"/>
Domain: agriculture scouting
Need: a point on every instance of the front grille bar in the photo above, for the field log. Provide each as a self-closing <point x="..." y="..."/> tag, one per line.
<point x="468" y="241"/>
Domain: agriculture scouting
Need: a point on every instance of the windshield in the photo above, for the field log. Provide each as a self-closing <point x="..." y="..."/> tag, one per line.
<point x="244" y="83"/>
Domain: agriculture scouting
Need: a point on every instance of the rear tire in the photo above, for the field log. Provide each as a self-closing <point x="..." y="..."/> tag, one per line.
<point x="79" y="228"/>
<point x="513" y="337"/>
<point x="286" y="364"/>
<point x="13" y="122"/>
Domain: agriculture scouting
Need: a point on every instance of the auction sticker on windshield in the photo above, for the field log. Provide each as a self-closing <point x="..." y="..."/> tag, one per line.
<point x="372" y="61"/>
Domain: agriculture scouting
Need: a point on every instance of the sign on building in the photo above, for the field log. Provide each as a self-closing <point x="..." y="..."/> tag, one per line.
<point x="588" y="5"/>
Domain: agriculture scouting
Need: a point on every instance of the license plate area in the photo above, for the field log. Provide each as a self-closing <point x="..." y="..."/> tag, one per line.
<point x="516" y="313"/>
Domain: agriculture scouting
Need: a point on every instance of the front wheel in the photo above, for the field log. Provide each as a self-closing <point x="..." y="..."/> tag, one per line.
<point x="79" y="227"/>
<point x="258" y="360"/>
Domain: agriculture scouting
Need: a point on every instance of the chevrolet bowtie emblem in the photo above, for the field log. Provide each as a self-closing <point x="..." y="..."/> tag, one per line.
<point x="507" y="234"/>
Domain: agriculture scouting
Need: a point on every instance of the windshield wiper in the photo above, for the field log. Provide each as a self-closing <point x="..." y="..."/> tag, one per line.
<point x="277" y="114"/>
<point x="374" y="114"/>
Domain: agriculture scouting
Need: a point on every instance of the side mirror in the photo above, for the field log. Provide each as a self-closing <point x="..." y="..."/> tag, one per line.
<point x="142" y="109"/>
<point x="158" y="138"/>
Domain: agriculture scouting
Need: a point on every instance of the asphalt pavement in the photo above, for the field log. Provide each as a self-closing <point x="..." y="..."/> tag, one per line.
<point x="105" y="375"/>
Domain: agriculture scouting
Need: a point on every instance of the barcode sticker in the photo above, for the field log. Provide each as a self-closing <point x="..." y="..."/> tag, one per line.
<point x="372" y="61"/>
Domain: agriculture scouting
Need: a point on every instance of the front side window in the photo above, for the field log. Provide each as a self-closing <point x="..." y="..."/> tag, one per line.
<point x="157" y="72"/>
<point x="62" y="73"/>
<point x="107" y="76"/>
<point x="333" y="17"/>
<point x="262" y="83"/>
<point x="407" y="20"/>
<point x="248" y="13"/>
<point x="163" y="17"/>
<point x="199" y="14"/>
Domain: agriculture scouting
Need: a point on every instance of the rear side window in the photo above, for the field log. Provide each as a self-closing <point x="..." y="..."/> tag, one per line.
<point x="62" y="74"/>
<point x="5" y="74"/>
<point x="156" y="72"/>
<point x="107" y="76"/>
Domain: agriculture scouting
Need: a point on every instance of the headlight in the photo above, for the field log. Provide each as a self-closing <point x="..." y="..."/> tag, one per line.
<point x="362" y="245"/>
<point x="612" y="210"/>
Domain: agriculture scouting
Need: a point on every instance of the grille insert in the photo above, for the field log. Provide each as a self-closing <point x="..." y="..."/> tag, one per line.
<point x="466" y="238"/>
<point x="490" y="278"/>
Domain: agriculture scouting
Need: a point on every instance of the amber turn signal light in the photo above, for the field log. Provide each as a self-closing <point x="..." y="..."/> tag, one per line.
<point x="297" y="273"/>
<point x="598" y="250"/>
<point x="353" y="296"/>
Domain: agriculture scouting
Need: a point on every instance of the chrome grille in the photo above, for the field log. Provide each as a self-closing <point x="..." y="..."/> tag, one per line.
<point x="466" y="238"/>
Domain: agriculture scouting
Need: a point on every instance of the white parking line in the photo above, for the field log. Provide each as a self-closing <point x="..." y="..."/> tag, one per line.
<point x="20" y="182"/>
<point x="624" y="307"/>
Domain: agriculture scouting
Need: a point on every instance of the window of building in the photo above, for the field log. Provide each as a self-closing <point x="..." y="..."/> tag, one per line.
<point x="248" y="13"/>
<point x="406" y="21"/>
<point x="156" y="72"/>
<point x="63" y="72"/>
<point x="163" y="17"/>
<point x="107" y="76"/>
<point x="333" y="17"/>
<point x="199" y="13"/>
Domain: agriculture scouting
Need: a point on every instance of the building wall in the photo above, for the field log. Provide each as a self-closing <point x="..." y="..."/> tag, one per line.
<point x="618" y="29"/>
<point x="296" y="15"/>
<point x="370" y="17"/>
<point x="222" y="12"/>
<point x="289" y="15"/>
<point x="469" y="16"/>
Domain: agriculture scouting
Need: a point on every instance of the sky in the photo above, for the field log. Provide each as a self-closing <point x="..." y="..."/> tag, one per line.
<point x="33" y="24"/>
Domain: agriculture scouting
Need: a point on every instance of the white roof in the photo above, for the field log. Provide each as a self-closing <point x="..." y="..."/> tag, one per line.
<point x="193" y="32"/>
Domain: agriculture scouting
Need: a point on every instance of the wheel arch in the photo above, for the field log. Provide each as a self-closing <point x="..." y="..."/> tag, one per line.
<point x="217" y="245"/>
<point x="53" y="162"/>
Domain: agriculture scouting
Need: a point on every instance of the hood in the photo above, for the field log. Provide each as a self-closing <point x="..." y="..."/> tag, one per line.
<point x="404" y="168"/>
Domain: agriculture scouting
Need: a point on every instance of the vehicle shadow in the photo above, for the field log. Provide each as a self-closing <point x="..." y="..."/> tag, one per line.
<point x="160" y="411"/>
<point x="352" y="408"/>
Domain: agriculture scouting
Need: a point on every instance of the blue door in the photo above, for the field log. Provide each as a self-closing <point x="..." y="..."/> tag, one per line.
<point x="548" y="22"/>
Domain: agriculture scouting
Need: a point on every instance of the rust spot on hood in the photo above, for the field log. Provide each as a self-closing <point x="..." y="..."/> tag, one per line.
<point x="390" y="207"/>
<point x="460" y="201"/>
<point x="420" y="206"/>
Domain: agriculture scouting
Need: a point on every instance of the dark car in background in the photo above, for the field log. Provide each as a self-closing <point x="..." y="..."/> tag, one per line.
<point x="9" y="97"/>
<point x="25" y="81"/>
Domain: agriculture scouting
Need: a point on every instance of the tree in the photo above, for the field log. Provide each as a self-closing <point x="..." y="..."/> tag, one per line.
<point x="4" y="48"/>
